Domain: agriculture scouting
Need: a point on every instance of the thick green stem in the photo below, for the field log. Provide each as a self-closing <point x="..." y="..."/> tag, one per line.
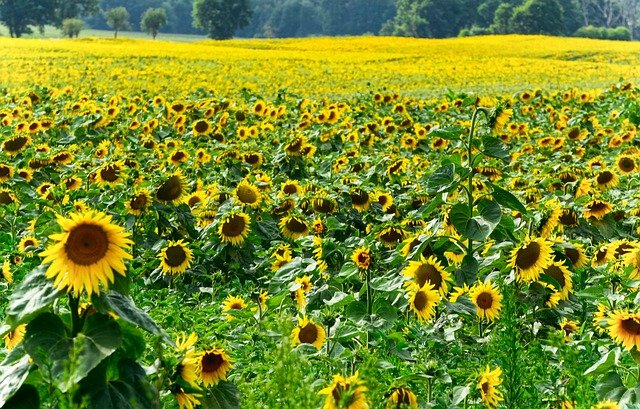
<point x="76" y="324"/>
<point x="470" y="176"/>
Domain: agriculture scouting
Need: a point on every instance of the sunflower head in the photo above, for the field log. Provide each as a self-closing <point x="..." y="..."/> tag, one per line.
<point x="214" y="365"/>
<point x="308" y="332"/>
<point x="530" y="258"/>
<point x="402" y="398"/>
<point x="234" y="228"/>
<point x="87" y="252"/>
<point x="423" y="301"/>
<point x="362" y="257"/>
<point x="172" y="189"/>
<point x="624" y="328"/>
<point x="487" y="299"/>
<point x="175" y="258"/>
<point x="488" y="381"/>
<point x="347" y="393"/>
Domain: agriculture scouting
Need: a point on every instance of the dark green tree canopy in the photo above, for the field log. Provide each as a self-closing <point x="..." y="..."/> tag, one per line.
<point x="221" y="18"/>
<point x="538" y="17"/>
<point x="153" y="20"/>
<point x="118" y="19"/>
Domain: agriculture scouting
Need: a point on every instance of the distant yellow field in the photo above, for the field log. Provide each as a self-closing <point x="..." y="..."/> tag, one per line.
<point x="320" y="66"/>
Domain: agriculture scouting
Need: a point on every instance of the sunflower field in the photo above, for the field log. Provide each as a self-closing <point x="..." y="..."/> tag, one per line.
<point x="271" y="225"/>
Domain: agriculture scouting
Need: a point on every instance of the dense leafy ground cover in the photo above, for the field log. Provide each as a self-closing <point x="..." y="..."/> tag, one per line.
<point x="168" y="248"/>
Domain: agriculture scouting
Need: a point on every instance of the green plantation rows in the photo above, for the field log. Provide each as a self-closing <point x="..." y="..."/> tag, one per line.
<point x="373" y="252"/>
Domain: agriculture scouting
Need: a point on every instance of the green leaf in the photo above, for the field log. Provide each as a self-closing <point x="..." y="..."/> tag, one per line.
<point x="449" y="133"/>
<point x="125" y="308"/>
<point x="339" y="298"/>
<point x="507" y="199"/>
<point x="47" y="343"/>
<point x="495" y="148"/>
<point x="27" y="397"/>
<point x="131" y="391"/>
<point x="222" y="396"/>
<point x="31" y="296"/>
<point x="459" y="216"/>
<point x="610" y="386"/>
<point x="480" y="227"/>
<point x="442" y="179"/>
<point x="611" y="359"/>
<point x="13" y="372"/>
<point x="459" y="394"/>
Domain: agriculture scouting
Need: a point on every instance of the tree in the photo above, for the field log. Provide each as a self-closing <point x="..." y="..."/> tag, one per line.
<point x="502" y="18"/>
<point x="221" y="18"/>
<point x="118" y="19"/>
<point x="153" y="20"/>
<point x="538" y="17"/>
<point x="427" y="18"/>
<point x="71" y="27"/>
<point x="74" y="9"/>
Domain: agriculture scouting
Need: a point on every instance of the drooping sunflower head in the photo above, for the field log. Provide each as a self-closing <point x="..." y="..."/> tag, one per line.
<point x="626" y="164"/>
<point x="234" y="228"/>
<point x="597" y="209"/>
<point x="308" y="332"/>
<point x="175" y="257"/>
<point x="624" y="328"/>
<point x="27" y="242"/>
<point x="402" y="398"/>
<point x="487" y="299"/>
<point x="139" y="203"/>
<point x="360" y="200"/>
<point x="86" y="253"/>
<point x="248" y="194"/>
<point x="488" y="381"/>
<point x="530" y="258"/>
<point x="293" y="227"/>
<point x="185" y="400"/>
<point x="214" y="365"/>
<point x="606" y="179"/>
<point x="13" y="146"/>
<point x="575" y="253"/>
<point x="391" y="236"/>
<point x="172" y="189"/>
<point x="559" y="273"/>
<point x="346" y="393"/>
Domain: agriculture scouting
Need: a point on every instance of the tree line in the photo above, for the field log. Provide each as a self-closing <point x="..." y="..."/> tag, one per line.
<point x="616" y="19"/>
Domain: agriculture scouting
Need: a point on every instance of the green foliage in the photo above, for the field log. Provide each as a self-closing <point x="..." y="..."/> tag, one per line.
<point x="604" y="33"/>
<point x="153" y="20"/>
<point x="71" y="27"/>
<point x="117" y="19"/>
<point x="221" y="18"/>
<point x="538" y="17"/>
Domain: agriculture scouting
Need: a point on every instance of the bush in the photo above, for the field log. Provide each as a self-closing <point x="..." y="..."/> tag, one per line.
<point x="475" y="31"/>
<point x="71" y="27"/>
<point x="604" y="33"/>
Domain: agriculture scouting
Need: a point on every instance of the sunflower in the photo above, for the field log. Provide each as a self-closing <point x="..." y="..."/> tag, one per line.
<point x="6" y="272"/>
<point x="568" y="218"/>
<point x="487" y="299"/>
<point x="214" y="365"/>
<point x="175" y="258"/>
<point x="402" y="398"/>
<point x="561" y="274"/>
<point x="360" y="200"/>
<point x="293" y="227"/>
<point x="6" y="172"/>
<point x="26" y="242"/>
<point x="234" y="228"/>
<point x="498" y="118"/>
<point x="15" y="336"/>
<point x="624" y="328"/>
<point x="345" y="393"/>
<point x="172" y="189"/>
<point x="391" y="236"/>
<point x="109" y="174"/>
<point x="308" y="332"/>
<point x="607" y="404"/>
<point x="7" y="197"/>
<point x="528" y="260"/>
<point x="139" y="203"/>
<point x="626" y="164"/>
<point x="575" y="253"/>
<point x="597" y="209"/>
<point x="551" y="221"/>
<point x="87" y="252"/>
<point x="602" y="256"/>
<point x="632" y="259"/>
<point x="423" y="300"/>
<point x="323" y="205"/>
<point x="606" y="179"/>
<point x="362" y="257"/>
<point x="233" y="303"/>
<point x="568" y="327"/>
<point x="429" y="270"/>
<point x="72" y="183"/>
<point x="487" y="383"/>
<point x="385" y="200"/>
<point x="201" y="127"/>
<point x="248" y="194"/>
<point x="185" y="400"/>
<point x="15" y="145"/>
<point x="291" y="187"/>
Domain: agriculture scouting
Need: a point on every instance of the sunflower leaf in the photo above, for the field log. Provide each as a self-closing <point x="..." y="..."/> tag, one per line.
<point x="222" y="396"/>
<point x="26" y="397"/>
<point x="449" y="133"/>
<point x="13" y="372"/>
<point x="507" y="199"/>
<point x="459" y="394"/>
<point x="611" y="359"/>
<point x="32" y="295"/>
<point x="495" y="148"/>
<point x="442" y="179"/>
<point x="610" y="386"/>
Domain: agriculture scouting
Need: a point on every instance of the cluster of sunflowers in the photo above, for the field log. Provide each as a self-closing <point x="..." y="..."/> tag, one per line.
<point x="340" y="216"/>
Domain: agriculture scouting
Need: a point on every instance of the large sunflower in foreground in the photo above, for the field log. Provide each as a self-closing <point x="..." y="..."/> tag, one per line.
<point x="214" y="365"/>
<point x="234" y="228"/>
<point x="429" y="270"/>
<point x="87" y="252"/>
<point x="487" y="383"/>
<point x="487" y="300"/>
<point x="423" y="301"/>
<point x="308" y="332"/>
<point x="175" y="258"/>
<point x="624" y="328"/>
<point x="533" y="256"/>
<point x="345" y="393"/>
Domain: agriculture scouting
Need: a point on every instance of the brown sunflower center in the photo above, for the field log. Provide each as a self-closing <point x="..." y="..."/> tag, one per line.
<point x="528" y="256"/>
<point x="4" y="171"/>
<point x="364" y="259"/>
<point x="178" y="156"/>
<point x="139" y="202"/>
<point x="631" y="326"/>
<point x="308" y="334"/>
<point x="420" y="300"/>
<point x="626" y="164"/>
<point x="556" y="273"/>
<point x="194" y="200"/>
<point x="109" y="173"/>
<point x="485" y="387"/>
<point x="175" y="256"/>
<point x="86" y="244"/>
<point x="295" y="225"/>
<point x="359" y="198"/>
<point x="252" y="158"/>
<point x="201" y="126"/>
<point x="391" y="236"/>
<point x="170" y="190"/>
<point x="428" y="273"/>
<point x="15" y="144"/>
<point x="568" y="218"/>
<point x="211" y="362"/>
<point x="597" y="206"/>
<point x="247" y="194"/>
<point x="572" y="254"/>
<point x="323" y="206"/>
<point x="485" y="300"/>
<point x="604" y="177"/>
<point x="233" y="226"/>
<point x="6" y="198"/>
<point x="290" y="189"/>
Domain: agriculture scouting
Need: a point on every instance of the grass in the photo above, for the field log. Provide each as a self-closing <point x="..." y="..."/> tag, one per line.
<point x="51" y="32"/>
